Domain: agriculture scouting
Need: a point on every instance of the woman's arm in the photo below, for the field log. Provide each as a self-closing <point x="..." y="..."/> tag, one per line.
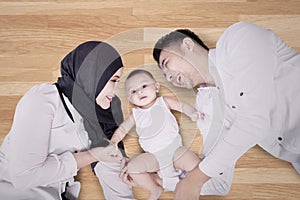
<point x="97" y="154"/>
<point x="84" y="158"/>
<point x="30" y="162"/>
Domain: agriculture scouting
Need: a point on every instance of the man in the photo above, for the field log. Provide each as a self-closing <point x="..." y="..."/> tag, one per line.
<point x="257" y="78"/>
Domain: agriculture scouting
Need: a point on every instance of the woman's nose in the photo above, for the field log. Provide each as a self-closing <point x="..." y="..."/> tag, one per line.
<point x="116" y="88"/>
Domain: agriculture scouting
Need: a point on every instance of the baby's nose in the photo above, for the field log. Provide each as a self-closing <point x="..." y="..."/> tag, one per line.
<point x="140" y="91"/>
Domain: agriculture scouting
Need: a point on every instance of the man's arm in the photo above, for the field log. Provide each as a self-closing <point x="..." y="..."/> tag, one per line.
<point x="190" y="186"/>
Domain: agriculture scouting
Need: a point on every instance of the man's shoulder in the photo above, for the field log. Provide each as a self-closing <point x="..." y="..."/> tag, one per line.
<point x="240" y="26"/>
<point x="243" y="30"/>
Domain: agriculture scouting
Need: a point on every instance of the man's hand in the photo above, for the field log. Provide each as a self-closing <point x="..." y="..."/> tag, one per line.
<point x="190" y="186"/>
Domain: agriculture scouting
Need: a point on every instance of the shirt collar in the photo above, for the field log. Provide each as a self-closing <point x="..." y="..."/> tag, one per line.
<point x="213" y="68"/>
<point x="212" y="59"/>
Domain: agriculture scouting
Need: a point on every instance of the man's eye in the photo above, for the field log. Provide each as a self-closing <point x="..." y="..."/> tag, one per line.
<point x="165" y="66"/>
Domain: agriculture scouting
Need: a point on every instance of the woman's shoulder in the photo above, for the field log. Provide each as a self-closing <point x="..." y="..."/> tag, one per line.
<point x="41" y="93"/>
<point x="42" y="89"/>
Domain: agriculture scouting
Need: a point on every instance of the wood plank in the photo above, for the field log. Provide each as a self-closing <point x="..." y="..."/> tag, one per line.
<point x="36" y="34"/>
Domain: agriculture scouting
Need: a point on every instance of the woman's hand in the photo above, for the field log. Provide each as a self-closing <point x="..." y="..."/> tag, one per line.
<point x="107" y="154"/>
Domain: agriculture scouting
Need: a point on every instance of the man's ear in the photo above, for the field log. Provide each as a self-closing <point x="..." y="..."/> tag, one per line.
<point x="157" y="87"/>
<point x="188" y="44"/>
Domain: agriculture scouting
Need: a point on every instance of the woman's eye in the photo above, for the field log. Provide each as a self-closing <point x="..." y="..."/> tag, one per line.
<point x="115" y="80"/>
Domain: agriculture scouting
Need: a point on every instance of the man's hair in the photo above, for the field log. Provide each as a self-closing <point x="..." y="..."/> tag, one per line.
<point x="140" y="71"/>
<point x="173" y="37"/>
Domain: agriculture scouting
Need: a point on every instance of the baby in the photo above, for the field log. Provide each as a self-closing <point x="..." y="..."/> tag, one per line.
<point x="158" y="134"/>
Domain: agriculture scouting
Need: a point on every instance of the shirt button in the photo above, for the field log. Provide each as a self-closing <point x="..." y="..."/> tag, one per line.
<point x="221" y="173"/>
<point x="233" y="107"/>
<point x="280" y="138"/>
<point x="242" y="93"/>
<point x="218" y="87"/>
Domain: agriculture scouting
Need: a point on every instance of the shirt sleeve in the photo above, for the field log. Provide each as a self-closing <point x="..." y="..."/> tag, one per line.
<point x="246" y="63"/>
<point x="30" y="163"/>
<point x="238" y="136"/>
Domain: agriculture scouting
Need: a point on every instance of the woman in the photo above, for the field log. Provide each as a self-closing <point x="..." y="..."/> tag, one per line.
<point x="55" y="124"/>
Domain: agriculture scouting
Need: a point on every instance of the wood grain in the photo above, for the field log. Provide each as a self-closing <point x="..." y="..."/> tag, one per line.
<point x="36" y="34"/>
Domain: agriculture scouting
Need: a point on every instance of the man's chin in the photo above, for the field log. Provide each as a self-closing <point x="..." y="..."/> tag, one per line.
<point x="184" y="86"/>
<point x="187" y="86"/>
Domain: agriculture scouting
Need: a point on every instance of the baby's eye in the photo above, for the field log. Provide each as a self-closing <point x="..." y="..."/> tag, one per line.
<point x="144" y="86"/>
<point x="133" y="92"/>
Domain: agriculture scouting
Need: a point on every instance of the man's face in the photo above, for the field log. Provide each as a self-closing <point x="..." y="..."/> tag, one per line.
<point x="177" y="69"/>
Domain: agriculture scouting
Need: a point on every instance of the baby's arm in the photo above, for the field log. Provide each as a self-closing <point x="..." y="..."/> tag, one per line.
<point x="185" y="108"/>
<point x="123" y="129"/>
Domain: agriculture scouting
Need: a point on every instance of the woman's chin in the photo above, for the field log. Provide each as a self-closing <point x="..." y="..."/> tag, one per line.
<point x="104" y="105"/>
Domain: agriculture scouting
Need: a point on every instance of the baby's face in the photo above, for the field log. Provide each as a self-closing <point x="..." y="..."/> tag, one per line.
<point x="141" y="90"/>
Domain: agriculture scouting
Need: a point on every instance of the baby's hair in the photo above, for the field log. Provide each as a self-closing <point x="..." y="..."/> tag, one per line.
<point x="140" y="71"/>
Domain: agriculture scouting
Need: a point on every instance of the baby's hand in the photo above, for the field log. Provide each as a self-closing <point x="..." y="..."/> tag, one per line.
<point x="197" y="116"/>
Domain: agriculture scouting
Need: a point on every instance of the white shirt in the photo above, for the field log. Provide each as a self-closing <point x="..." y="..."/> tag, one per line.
<point x="260" y="75"/>
<point x="38" y="149"/>
<point x="208" y="102"/>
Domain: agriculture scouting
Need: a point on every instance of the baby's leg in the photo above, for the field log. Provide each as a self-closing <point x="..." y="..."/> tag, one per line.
<point x="142" y="170"/>
<point x="185" y="159"/>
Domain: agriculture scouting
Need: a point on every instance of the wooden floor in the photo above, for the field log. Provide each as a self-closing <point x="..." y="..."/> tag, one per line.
<point x="36" y="34"/>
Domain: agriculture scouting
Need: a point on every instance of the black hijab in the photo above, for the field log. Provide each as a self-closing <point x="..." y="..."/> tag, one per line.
<point x="84" y="73"/>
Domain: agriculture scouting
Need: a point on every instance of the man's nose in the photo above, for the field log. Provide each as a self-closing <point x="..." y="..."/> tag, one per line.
<point x="169" y="77"/>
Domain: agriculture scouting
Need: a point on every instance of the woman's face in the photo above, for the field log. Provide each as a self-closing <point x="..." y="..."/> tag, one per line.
<point x="108" y="92"/>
